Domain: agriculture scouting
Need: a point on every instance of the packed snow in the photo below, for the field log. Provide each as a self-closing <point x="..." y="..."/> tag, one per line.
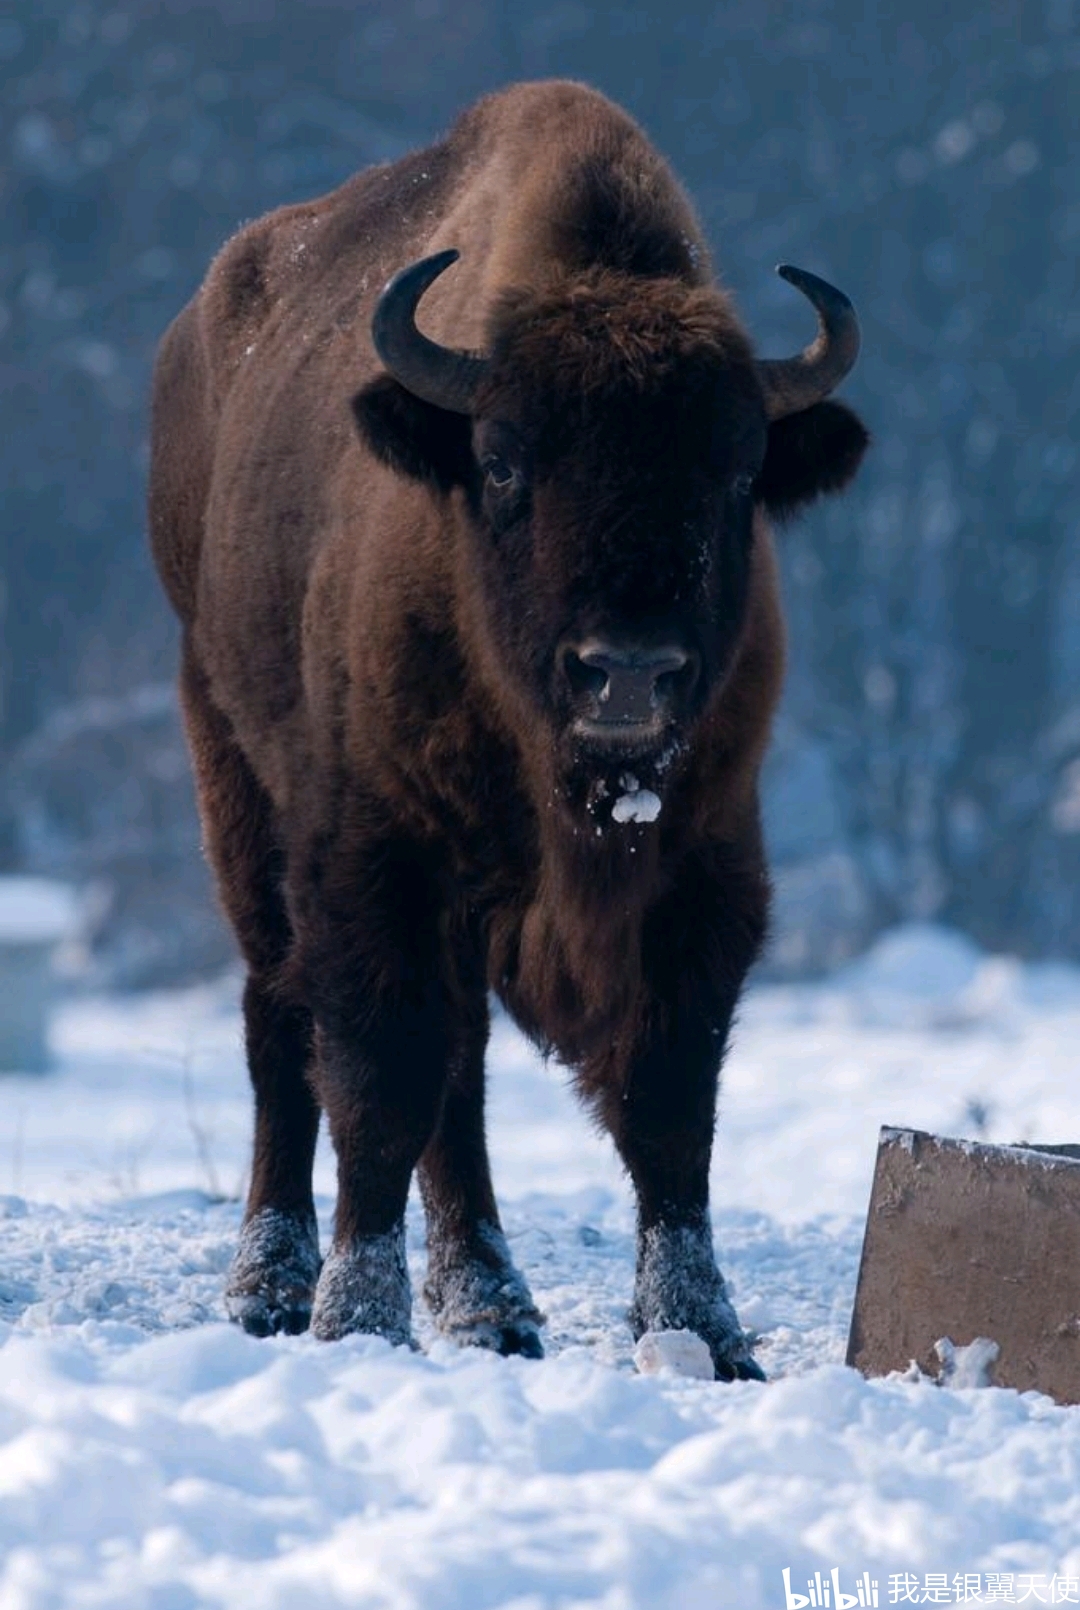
<point x="635" y="804"/>
<point x="152" y="1455"/>
<point x="640" y="806"/>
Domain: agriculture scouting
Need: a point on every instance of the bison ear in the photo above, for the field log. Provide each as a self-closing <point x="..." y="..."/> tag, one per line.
<point x="413" y="437"/>
<point x="808" y="455"/>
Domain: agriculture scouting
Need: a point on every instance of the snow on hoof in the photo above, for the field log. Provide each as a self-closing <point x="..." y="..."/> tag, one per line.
<point x="479" y="1299"/>
<point x="679" y="1352"/>
<point x="364" y="1288"/>
<point x="684" y="1352"/>
<point x="272" y="1279"/>
<point x="678" y="1288"/>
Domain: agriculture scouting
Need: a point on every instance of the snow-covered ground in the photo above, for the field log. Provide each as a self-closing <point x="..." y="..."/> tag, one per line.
<point x="153" y="1456"/>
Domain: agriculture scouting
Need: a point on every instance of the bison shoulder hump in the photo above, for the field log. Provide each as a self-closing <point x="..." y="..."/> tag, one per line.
<point x="240" y="292"/>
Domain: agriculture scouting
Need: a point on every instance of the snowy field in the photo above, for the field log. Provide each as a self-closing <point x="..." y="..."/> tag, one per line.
<point x="153" y="1456"/>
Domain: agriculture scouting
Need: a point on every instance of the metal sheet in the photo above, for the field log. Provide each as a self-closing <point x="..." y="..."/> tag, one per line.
<point x="963" y="1241"/>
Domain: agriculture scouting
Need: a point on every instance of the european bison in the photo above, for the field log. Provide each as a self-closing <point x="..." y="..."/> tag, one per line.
<point x="481" y="643"/>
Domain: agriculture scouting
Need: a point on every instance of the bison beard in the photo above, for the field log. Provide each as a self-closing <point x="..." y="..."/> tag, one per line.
<point x="481" y="644"/>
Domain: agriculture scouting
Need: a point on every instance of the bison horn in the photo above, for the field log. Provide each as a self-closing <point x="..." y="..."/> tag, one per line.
<point x="792" y="384"/>
<point x="433" y="373"/>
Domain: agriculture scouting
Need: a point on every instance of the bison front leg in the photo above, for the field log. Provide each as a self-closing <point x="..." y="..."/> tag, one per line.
<point x="663" y="1129"/>
<point x="660" y="1107"/>
<point x="273" y="1275"/>
<point x="476" y="1295"/>
<point x="372" y="967"/>
<point x="379" y="1083"/>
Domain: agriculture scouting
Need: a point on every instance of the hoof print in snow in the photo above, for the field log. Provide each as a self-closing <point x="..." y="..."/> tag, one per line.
<point x="273" y="1275"/>
<point x="364" y="1290"/>
<point x="479" y="1299"/>
<point x="678" y="1289"/>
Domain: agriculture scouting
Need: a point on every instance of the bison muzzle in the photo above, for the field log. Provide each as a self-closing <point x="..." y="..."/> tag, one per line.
<point x="461" y="487"/>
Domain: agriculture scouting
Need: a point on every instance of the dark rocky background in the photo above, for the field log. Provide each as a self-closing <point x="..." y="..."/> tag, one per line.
<point x="928" y="762"/>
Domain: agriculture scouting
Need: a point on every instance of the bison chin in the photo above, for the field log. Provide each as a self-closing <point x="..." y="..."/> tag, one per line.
<point x="611" y="781"/>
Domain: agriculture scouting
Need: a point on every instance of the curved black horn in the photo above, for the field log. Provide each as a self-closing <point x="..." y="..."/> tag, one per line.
<point x="792" y="384"/>
<point x="433" y="373"/>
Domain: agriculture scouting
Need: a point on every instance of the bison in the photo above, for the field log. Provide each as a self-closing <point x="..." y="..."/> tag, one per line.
<point x="481" y="640"/>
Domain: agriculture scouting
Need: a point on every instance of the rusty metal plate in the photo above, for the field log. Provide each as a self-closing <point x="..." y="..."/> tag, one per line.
<point x="965" y="1241"/>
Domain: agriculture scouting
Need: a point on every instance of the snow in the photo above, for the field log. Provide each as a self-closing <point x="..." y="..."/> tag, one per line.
<point x="967" y="1366"/>
<point x="640" y="806"/>
<point x="152" y="1455"/>
<point x="635" y="804"/>
<point x="681" y="1351"/>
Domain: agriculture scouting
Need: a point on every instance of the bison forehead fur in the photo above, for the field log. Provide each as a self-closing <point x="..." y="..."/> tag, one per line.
<point x="584" y="335"/>
<point x="481" y="645"/>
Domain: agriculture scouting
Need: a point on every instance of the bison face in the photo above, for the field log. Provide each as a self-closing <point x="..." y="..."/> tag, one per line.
<point x="606" y="458"/>
<point x="611" y="534"/>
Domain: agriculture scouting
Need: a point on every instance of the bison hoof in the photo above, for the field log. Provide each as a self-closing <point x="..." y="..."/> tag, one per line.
<point x="520" y="1340"/>
<point x="272" y="1278"/>
<point x="479" y="1299"/>
<point x="364" y="1289"/>
<point x="679" y="1287"/>
<point x="739" y="1369"/>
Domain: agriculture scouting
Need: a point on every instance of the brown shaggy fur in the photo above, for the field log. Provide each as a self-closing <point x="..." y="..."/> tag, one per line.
<point x="394" y="795"/>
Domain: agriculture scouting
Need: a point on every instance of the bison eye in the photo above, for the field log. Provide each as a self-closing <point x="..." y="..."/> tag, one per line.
<point x="497" y="470"/>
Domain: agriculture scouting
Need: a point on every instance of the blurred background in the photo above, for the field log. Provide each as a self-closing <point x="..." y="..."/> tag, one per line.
<point x="927" y="764"/>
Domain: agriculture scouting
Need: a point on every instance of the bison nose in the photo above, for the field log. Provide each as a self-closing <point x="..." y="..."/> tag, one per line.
<point x="627" y="684"/>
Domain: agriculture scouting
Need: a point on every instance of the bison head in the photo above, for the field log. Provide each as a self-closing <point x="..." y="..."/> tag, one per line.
<point x="608" y="454"/>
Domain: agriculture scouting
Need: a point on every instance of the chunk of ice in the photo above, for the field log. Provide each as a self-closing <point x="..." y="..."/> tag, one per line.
<point x="966" y="1366"/>
<point x="641" y="806"/>
<point x="682" y="1352"/>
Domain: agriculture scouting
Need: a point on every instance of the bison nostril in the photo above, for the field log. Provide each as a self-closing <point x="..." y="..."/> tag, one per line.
<point x="583" y="678"/>
<point x="676" y="682"/>
<point x="627" y="684"/>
